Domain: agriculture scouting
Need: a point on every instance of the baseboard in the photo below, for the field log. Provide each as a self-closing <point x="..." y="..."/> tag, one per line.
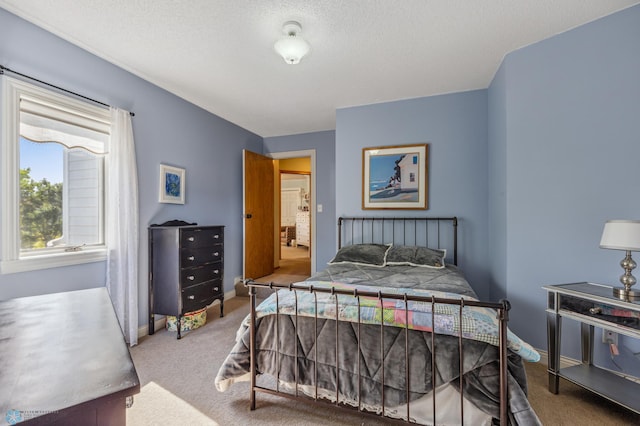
<point x="564" y="361"/>
<point x="160" y="321"/>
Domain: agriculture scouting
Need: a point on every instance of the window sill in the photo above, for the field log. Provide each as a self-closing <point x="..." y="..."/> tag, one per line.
<point x="34" y="263"/>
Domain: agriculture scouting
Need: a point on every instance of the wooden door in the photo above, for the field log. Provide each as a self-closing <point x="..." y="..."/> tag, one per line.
<point x="258" y="209"/>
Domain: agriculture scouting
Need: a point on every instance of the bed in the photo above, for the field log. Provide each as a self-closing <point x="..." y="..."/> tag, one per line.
<point x="392" y="282"/>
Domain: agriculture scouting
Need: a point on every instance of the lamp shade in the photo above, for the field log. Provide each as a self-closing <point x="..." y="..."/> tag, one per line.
<point x="621" y="235"/>
<point x="292" y="47"/>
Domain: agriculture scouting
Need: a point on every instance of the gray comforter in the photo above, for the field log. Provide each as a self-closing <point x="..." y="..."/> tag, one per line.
<point x="448" y="279"/>
<point x="481" y="367"/>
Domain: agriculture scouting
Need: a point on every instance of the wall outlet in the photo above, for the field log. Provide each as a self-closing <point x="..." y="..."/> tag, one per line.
<point x="609" y="336"/>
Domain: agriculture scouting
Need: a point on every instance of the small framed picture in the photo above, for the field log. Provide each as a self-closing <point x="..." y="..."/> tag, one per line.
<point x="172" y="184"/>
<point x="395" y="177"/>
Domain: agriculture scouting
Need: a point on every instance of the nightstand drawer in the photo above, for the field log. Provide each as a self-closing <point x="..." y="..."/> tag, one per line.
<point x="200" y="256"/>
<point x="202" y="238"/>
<point x="192" y="276"/>
<point x="599" y="311"/>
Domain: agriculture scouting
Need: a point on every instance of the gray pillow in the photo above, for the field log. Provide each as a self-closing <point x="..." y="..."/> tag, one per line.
<point x="362" y="254"/>
<point x="416" y="256"/>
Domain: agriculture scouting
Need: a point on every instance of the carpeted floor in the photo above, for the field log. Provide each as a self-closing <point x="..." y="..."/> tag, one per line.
<point x="177" y="382"/>
<point x="177" y="387"/>
<point x="295" y="266"/>
<point x="572" y="405"/>
<point x="294" y="261"/>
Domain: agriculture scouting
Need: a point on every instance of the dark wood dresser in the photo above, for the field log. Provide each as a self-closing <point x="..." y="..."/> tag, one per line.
<point x="186" y="270"/>
<point x="64" y="360"/>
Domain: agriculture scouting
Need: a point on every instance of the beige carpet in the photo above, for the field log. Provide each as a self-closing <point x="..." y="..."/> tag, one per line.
<point x="295" y="266"/>
<point x="573" y="405"/>
<point x="177" y="382"/>
<point x="298" y="252"/>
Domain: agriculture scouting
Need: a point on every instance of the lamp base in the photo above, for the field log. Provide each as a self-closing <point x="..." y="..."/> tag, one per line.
<point x="624" y="294"/>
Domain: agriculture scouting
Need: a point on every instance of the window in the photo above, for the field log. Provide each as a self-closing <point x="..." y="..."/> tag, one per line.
<point x="53" y="178"/>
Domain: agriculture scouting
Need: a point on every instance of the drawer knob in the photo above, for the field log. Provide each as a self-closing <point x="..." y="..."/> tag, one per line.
<point x="216" y="236"/>
<point x="191" y="297"/>
<point x="216" y="271"/>
<point x="215" y="289"/>
<point x="191" y="277"/>
<point x="216" y="254"/>
<point x="595" y="310"/>
<point x="191" y="239"/>
<point x="191" y="257"/>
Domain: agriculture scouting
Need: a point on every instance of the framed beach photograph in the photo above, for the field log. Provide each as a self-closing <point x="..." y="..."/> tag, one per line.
<point x="172" y="184"/>
<point x="395" y="177"/>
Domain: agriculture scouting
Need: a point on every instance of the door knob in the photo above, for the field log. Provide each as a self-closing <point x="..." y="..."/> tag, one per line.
<point x="248" y="216"/>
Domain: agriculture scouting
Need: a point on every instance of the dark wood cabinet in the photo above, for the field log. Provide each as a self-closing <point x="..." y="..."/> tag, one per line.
<point x="64" y="361"/>
<point x="186" y="270"/>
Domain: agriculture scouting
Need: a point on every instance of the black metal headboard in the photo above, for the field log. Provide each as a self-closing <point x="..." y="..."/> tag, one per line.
<point x="418" y="231"/>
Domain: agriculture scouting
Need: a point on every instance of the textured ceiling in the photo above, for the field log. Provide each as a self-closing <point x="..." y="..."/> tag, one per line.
<point x="219" y="54"/>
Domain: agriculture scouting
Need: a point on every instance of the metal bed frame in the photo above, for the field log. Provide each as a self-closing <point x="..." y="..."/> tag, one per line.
<point x="397" y="230"/>
<point x="373" y="230"/>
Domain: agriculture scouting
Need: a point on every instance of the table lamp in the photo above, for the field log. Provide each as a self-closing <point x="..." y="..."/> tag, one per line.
<point x="623" y="235"/>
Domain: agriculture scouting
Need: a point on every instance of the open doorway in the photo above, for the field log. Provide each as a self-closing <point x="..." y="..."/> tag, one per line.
<point x="288" y="265"/>
<point x="294" y="212"/>
<point x="295" y="218"/>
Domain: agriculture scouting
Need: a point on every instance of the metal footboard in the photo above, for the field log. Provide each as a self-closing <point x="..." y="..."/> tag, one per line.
<point x="501" y="308"/>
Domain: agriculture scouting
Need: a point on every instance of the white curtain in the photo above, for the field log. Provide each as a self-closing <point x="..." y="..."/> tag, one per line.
<point x="122" y="224"/>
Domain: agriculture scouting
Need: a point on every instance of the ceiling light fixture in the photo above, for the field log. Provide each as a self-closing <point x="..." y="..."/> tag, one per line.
<point x="292" y="47"/>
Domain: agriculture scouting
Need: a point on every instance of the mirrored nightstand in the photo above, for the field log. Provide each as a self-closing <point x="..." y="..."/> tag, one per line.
<point x="592" y="305"/>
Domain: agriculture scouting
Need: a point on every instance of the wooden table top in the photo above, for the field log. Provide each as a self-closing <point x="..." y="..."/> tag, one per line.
<point x="61" y="350"/>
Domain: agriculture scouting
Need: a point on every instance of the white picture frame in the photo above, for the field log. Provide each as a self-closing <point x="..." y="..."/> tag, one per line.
<point x="172" y="184"/>
<point x="395" y="177"/>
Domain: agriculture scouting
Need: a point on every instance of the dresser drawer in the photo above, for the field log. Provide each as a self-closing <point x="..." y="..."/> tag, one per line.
<point x="195" y="238"/>
<point x="196" y="275"/>
<point x="198" y="296"/>
<point x="200" y="256"/>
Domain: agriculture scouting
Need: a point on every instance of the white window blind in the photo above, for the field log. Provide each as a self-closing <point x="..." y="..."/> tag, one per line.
<point x="42" y="121"/>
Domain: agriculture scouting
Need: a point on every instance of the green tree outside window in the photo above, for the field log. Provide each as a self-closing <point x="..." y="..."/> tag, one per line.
<point x="40" y="211"/>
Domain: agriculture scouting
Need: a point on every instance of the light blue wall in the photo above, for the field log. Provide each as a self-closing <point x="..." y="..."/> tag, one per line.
<point x="167" y="130"/>
<point x="497" y="197"/>
<point x="565" y="117"/>
<point x="324" y="145"/>
<point x="455" y="126"/>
